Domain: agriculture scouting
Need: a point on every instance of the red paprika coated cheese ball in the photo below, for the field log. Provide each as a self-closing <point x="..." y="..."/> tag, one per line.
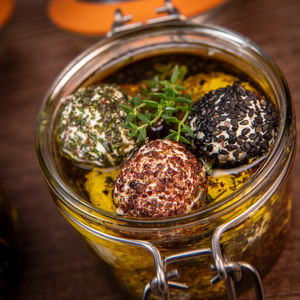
<point x="161" y="179"/>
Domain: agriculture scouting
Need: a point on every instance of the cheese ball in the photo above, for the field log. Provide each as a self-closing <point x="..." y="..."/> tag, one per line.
<point x="161" y="179"/>
<point x="89" y="128"/>
<point x="233" y="125"/>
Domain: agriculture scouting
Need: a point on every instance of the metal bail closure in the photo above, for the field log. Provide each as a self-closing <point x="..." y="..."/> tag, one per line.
<point x="234" y="272"/>
<point x="231" y="272"/>
<point x="228" y="271"/>
<point x="153" y="286"/>
<point x="119" y="24"/>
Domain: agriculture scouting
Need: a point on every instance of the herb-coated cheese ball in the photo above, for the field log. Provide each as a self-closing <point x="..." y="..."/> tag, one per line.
<point x="89" y="128"/>
<point x="161" y="179"/>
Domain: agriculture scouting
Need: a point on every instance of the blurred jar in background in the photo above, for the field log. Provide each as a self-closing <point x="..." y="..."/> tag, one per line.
<point x="87" y="21"/>
<point x="6" y="9"/>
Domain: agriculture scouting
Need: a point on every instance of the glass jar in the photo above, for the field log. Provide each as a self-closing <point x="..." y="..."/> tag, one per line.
<point x="249" y="225"/>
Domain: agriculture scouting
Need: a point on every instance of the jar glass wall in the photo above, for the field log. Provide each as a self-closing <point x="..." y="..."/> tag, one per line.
<point x="268" y="189"/>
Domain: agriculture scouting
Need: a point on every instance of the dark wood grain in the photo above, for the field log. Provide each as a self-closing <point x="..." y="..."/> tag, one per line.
<point x="55" y="263"/>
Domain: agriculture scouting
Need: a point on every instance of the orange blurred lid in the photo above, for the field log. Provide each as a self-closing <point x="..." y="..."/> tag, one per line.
<point x="95" y="17"/>
<point x="6" y="8"/>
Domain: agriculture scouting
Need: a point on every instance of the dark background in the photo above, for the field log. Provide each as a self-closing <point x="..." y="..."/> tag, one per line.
<point x="55" y="262"/>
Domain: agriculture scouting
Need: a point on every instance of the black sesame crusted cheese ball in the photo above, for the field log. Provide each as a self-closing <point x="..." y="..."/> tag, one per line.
<point x="162" y="179"/>
<point x="89" y="128"/>
<point x="232" y="125"/>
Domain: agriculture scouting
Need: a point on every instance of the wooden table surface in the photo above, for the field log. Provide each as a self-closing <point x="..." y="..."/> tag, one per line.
<point x="55" y="263"/>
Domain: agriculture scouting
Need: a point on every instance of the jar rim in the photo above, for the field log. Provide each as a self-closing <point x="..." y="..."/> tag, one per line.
<point x="75" y="202"/>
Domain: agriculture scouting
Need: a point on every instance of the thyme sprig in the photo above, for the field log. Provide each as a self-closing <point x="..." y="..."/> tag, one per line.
<point x="162" y="101"/>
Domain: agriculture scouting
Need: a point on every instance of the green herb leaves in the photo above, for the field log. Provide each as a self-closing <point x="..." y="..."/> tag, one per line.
<point x="162" y="102"/>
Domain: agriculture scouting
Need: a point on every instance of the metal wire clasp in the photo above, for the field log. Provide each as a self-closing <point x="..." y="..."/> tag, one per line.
<point x="230" y="272"/>
<point x="153" y="285"/>
<point x="227" y="270"/>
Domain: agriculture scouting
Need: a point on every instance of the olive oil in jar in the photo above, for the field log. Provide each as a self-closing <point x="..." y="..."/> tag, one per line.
<point x="201" y="75"/>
